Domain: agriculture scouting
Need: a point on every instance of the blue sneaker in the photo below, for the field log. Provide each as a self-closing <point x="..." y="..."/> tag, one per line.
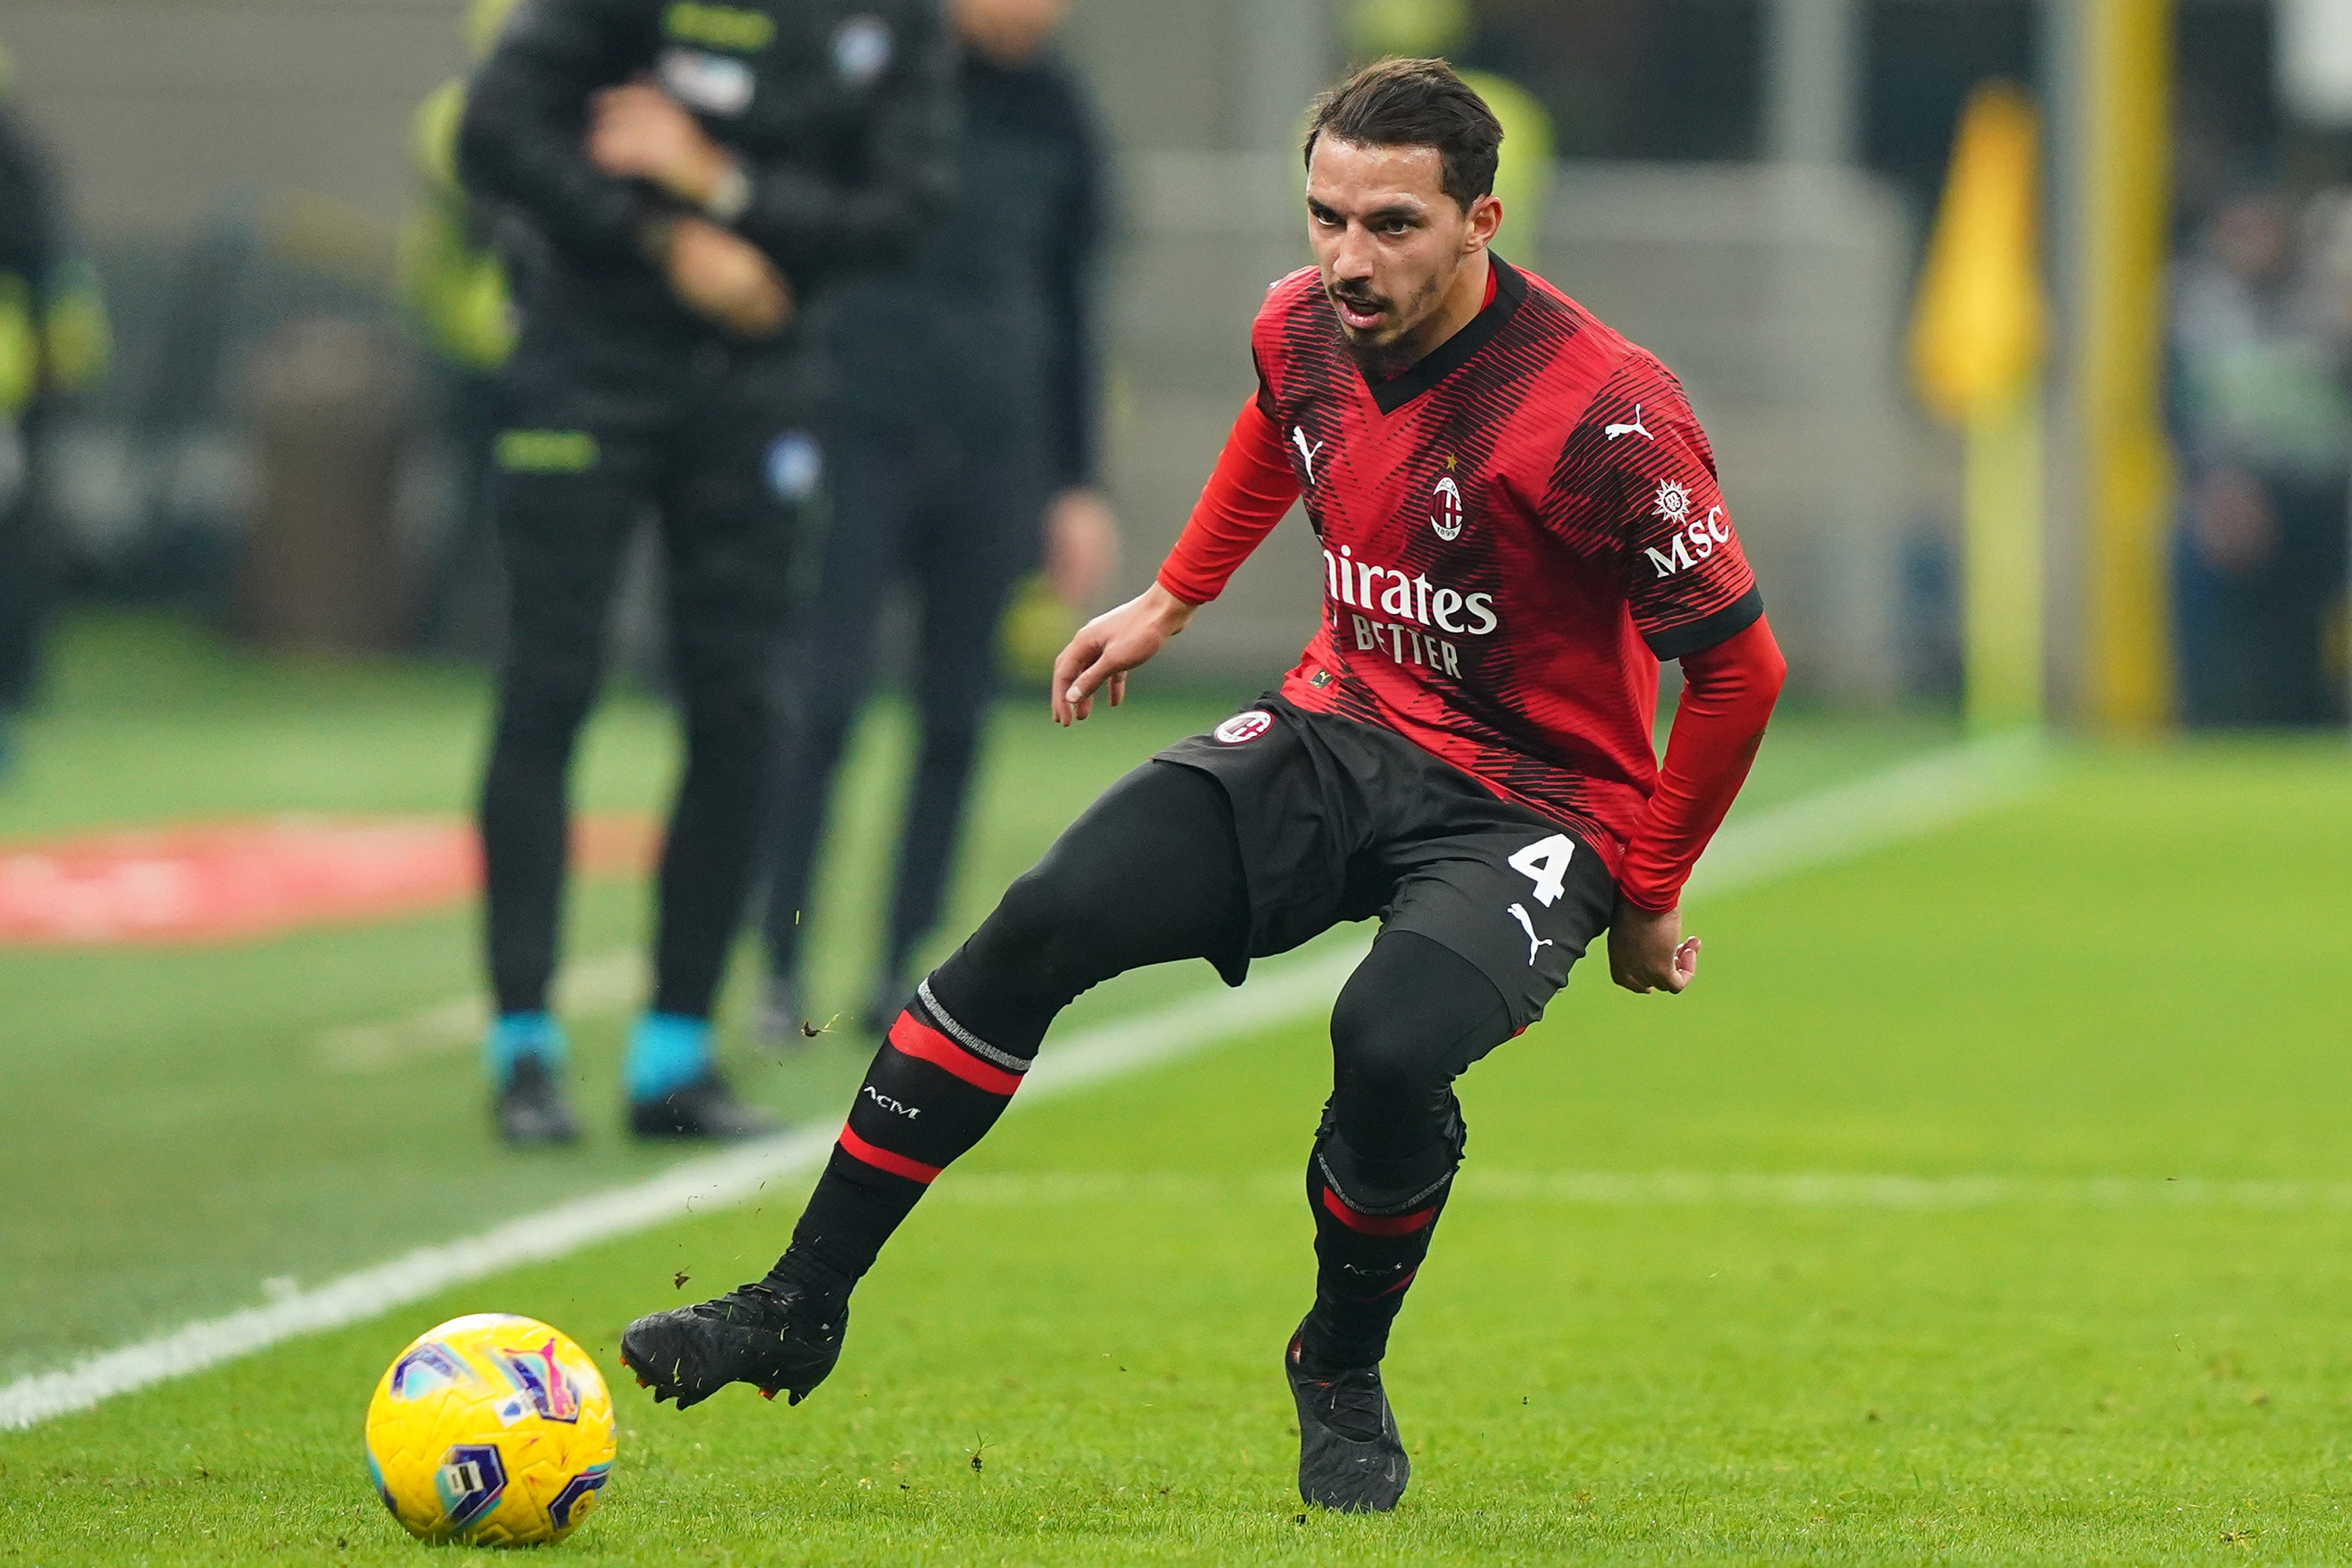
<point x="674" y="1087"/>
<point x="524" y="1055"/>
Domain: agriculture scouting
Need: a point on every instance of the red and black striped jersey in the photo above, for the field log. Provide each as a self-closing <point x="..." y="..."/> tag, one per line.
<point x="1514" y="531"/>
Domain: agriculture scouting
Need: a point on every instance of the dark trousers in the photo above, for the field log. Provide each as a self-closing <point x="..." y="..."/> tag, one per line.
<point x="957" y="518"/>
<point x="25" y="571"/>
<point x="587" y="457"/>
<point x="2252" y="642"/>
<point x="458" y="601"/>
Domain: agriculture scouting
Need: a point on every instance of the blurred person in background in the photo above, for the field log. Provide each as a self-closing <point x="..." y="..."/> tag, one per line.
<point x="53" y="341"/>
<point x="454" y="284"/>
<point x="2264" y="428"/>
<point x="964" y="418"/>
<point x="688" y="177"/>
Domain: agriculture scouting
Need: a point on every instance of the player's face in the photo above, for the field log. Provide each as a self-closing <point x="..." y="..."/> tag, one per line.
<point x="1391" y="243"/>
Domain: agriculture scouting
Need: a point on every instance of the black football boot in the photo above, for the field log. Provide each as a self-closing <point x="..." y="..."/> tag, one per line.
<point x="531" y="1110"/>
<point x="1350" y="1457"/>
<point x="780" y="1341"/>
<point x="706" y="1108"/>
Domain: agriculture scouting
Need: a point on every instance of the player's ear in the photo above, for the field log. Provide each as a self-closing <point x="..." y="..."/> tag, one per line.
<point x="1485" y="218"/>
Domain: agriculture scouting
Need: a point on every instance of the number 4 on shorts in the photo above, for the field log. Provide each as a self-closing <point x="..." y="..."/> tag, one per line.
<point x="1545" y="863"/>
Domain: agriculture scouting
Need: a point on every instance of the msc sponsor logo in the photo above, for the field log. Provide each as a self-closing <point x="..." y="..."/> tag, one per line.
<point x="1695" y="538"/>
<point x="1244" y="727"/>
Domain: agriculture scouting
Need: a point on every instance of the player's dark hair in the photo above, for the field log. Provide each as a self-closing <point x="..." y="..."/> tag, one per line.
<point x="1416" y="103"/>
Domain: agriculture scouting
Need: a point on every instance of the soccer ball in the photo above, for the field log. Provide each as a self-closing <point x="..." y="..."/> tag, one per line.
<point x="491" y="1429"/>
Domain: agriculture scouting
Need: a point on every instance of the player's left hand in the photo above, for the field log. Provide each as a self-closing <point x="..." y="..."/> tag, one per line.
<point x="1081" y="547"/>
<point x="1647" y="951"/>
<point x="1110" y="645"/>
<point x="638" y="133"/>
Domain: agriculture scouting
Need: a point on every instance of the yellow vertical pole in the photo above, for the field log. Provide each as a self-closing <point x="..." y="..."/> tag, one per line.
<point x="2126" y="465"/>
<point x="2002" y="561"/>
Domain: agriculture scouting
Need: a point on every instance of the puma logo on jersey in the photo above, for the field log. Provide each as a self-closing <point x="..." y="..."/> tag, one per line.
<point x="1306" y="452"/>
<point x="1536" y="945"/>
<point x="894" y="1107"/>
<point x="1635" y="428"/>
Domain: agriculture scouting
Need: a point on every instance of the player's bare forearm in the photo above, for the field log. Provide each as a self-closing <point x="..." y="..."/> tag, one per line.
<point x="1109" y="645"/>
<point x="1647" y="949"/>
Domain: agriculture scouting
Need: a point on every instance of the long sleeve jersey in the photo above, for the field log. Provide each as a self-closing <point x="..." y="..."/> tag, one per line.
<point x="1514" y="531"/>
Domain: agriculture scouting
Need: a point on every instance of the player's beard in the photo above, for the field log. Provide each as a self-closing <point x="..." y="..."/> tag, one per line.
<point x="1393" y="353"/>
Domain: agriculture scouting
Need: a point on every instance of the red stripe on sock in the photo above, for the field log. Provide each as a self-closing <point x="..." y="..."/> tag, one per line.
<point x="857" y="1147"/>
<point x="913" y="1038"/>
<point x="1377" y="1224"/>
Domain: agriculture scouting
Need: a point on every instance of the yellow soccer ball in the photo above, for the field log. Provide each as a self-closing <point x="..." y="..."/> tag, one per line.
<point x="491" y="1429"/>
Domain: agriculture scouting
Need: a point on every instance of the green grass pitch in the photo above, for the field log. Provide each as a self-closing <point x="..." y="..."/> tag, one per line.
<point x="1987" y="1201"/>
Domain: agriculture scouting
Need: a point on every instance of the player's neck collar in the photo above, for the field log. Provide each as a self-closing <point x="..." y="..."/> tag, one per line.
<point x="1456" y="351"/>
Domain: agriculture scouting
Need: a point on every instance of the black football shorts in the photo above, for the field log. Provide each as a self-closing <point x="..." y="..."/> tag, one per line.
<point x="1342" y="821"/>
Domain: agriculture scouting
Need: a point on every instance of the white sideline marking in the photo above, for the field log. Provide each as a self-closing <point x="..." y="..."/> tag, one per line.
<point x="1913" y="798"/>
<point x="1851" y="819"/>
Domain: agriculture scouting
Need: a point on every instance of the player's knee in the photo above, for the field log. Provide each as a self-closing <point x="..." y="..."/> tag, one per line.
<point x="1390" y="1181"/>
<point x="1380" y="1050"/>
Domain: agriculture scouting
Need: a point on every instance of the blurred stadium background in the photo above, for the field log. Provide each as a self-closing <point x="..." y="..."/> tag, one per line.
<point x="1972" y="356"/>
<point x="1745" y="184"/>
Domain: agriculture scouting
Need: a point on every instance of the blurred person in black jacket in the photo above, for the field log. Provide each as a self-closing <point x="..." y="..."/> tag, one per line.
<point x="685" y="179"/>
<point x="961" y="446"/>
<point x="53" y="340"/>
<point x="2262" y="421"/>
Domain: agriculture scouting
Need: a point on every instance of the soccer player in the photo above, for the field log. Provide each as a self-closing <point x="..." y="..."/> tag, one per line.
<point x="1519" y="518"/>
<point x="682" y="181"/>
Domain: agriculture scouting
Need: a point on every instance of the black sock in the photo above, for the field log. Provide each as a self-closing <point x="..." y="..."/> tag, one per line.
<point x="1372" y="1230"/>
<point x="933" y="1091"/>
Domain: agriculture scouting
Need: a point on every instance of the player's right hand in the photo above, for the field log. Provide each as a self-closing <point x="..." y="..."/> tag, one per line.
<point x="1647" y="951"/>
<point x="1109" y="645"/>
<point x="726" y="278"/>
